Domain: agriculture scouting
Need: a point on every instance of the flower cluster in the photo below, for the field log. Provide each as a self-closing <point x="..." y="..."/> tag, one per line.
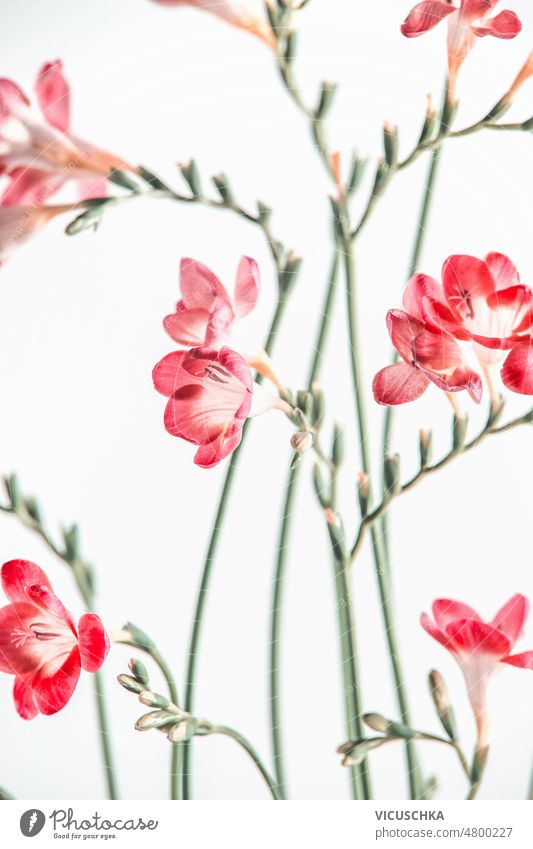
<point x="39" y="155"/>
<point x="209" y="386"/>
<point x="480" y="302"/>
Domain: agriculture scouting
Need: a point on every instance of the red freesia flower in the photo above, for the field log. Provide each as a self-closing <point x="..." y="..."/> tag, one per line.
<point x="38" y="152"/>
<point x="205" y="314"/>
<point x="429" y="356"/>
<point x="209" y="398"/>
<point x="466" y="20"/>
<point x="40" y="644"/>
<point x="479" y="647"/>
<point x="481" y="301"/>
<point x="235" y="12"/>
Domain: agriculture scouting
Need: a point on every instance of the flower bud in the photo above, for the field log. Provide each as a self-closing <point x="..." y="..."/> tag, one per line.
<point x="13" y="491"/>
<point x="441" y="700"/>
<point x="120" y="178"/>
<point x="222" y="186"/>
<point x="325" y="101"/>
<point x="263" y="212"/>
<point x="430" y="125"/>
<point x="390" y="144"/>
<point x="153" y="181"/>
<point x="319" y="405"/>
<point x="183" y="730"/>
<point x="138" y="637"/>
<point x="356" y="174"/>
<point x="155" y="700"/>
<point x="302" y="441"/>
<point x="337" y="446"/>
<point x="377" y="722"/>
<point x="424" y="444"/>
<point x="289" y="272"/>
<point x="321" y="488"/>
<point x="479" y="763"/>
<point x="139" y="671"/>
<point x="391" y="473"/>
<point x="304" y="402"/>
<point x="155" y="719"/>
<point x="363" y="490"/>
<point x="191" y="176"/>
<point x="131" y="684"/>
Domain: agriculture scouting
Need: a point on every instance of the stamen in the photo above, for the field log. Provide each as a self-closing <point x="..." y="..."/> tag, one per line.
<point x="42" y="631"/>
<point x="210" y="371"/>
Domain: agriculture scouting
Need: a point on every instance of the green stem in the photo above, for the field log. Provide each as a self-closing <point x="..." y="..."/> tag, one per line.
<point x="177" y="748"/>
<point x="282" y="551"/>
<point x="378" y="552"/>
<point x="249" y="749"/>
<point x="105" y="738"/>
<point x="209" y="562"/>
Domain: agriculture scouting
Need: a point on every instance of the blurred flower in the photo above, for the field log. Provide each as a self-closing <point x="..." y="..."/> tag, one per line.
<point x="524" y="74"/>
<point x="465" y="21"/>
<point x="205" y="314"/>
<point x="481" y="301"/>
<point x="38" y="153"/>
<point x="235" y="12"/>
<point x="40" y="644"/>
<point x="210" y="396"/>
<point x="18" y="223"/>
<point x="429" y="356"/>
<point x="479" y="647"/>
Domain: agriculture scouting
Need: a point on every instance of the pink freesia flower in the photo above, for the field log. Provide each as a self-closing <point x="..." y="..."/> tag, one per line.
<point x="40" y="644"/>
<point x="482" y="301"/>
<point x="235" y="12"/>
<point x="209" y="398"/>
<point x="466" y="20"/>
<point x="18" y="223"/>
<point x="205" y="314"/>
<point x="38" y="152"/>
<point x="479" y="647"/>
<point x="429" y="356"/>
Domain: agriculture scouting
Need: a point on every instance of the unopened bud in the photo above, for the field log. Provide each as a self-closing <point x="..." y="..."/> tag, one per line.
<point x="430" y="125"/>
<point x="325" y="101"/>
<point x="131" y="684"/>
<point x="155" y="719"/>
<point x="377" y="722"/>
<point x="363" y="490"/>
<point x="391" y="473"/>
<point x="302" y="441"/>
<point x="479" y="763"/>
<point x="139" y="671"/>
<point x="289" y="272"/>
<point x="221" y="183"/>
<point x="191" y="176"/>
<point x="356" y="174"/>
<point x="390" y="144"/>
<point x="138" y="637"/>
<point x="441" y="700"/>
<point x="319" y="405"/>
<point x="154" y="700"/>
<point x="183" y="730"/>
<point x="337" y="446"/>
<point x="424" y="444"/>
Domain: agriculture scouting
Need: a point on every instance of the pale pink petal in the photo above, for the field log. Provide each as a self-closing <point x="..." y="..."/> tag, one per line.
<point x="187" y="326"/>
<point x="209" y="455"/>
<point x="53" y="95"/>
<point x="24" y="700"/>
<point x="399" y="384"/>
<point x="465" y="280"/>
<point x="524" y="660"/>
<point x="166" y="373"/>
<point x="434" y="631"/>
<point x="199" y="286"/>
<point x="446" y="610"/>
<point x="504" y="272"/>
<point x="30" y="186"/>
<point x="246" y="286"/>
<point x="53" y="686"/>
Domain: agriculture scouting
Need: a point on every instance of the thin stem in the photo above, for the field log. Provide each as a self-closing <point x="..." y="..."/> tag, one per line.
<point x="282" y="550"/>
<point x="212" y="549"/>
<point x="378" y="553"/>
<point x="105" y="736"/>
<point x="249" y="749"/>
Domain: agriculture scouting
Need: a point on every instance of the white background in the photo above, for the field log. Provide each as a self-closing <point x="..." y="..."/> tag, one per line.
<point x="80" y="329"/>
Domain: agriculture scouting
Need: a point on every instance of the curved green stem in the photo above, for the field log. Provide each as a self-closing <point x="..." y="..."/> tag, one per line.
<point x="282" y="550"/>
<point x="249" y="749"/>
<point x="212" y="549"/>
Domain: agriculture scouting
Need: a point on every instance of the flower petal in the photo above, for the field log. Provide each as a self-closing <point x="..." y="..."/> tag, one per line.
<point x="199" y="286"/>
<point x="246" y="286"/>
<point x="187" y="326"/>
<point x="424" y="16"/>
<point x="19" y="653"/>
<point x="94" y="643"/>
<point x="505" y="25"/>
<point x="399" y="384"/>
<point x="52" y="691"/>
<point x="510" y="619"/>
<point x="465" y="279"/>
<point x="29" y="186"/>
<point x="446" y="610"/>
<point x="24" y="701"/>
<point x="472" y="636"/>
<point x="504" y="272"/>
<point x="434" y="631"/>
<point x="53" y="94"/>
<point x="18" y="575"/>
<point x="166" y="373"/>
<point x="517" y="371"/>
<point x="209" y="455"/>
<point x="524" y="660"/>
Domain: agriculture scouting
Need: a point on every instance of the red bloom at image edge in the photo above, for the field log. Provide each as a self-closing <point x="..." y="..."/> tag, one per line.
<point x="466" y="20"/>
<point x="209" y="398"/>
<point x="40" y="644"/>
<point x="205" y="313"/>
<point x="479" y="647"/>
